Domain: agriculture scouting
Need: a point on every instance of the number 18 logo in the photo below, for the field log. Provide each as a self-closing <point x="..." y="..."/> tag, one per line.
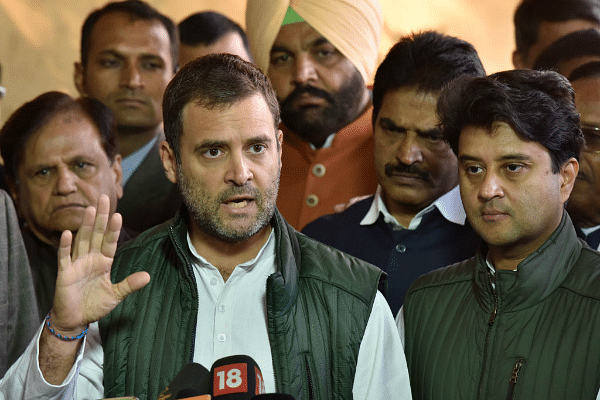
<point x="231" y="378"/>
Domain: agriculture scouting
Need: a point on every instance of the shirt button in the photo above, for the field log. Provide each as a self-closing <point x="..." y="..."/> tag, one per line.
<point x="312" y="200"/>
<point x="222" y="308"/>
<point x="319" y="170"/>
<point x="213" y="282"/>
<point x="400" y="248"/>
<point x="221" y="337"/>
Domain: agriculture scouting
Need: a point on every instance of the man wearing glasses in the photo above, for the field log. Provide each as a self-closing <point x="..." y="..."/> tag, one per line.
<point x="584" y="203"/>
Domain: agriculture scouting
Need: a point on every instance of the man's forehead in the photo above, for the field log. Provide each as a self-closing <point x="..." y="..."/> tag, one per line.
<point x="197" y="117"/>
<point x="70" y="125"/>
<point x="298" y="34"/>
<point x="119" y="31"/>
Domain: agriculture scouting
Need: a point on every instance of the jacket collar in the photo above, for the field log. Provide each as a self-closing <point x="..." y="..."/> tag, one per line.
<point x="536" y="277"/>
<point x="283" y="284"/>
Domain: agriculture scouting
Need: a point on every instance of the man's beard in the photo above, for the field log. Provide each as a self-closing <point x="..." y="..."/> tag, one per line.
<point x="204" y="209"/>
<point x="343" y="107"/>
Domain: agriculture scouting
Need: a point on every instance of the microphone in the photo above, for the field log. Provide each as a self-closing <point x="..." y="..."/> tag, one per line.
<point x="236" y="378"/>
<point x="192" y="380"/>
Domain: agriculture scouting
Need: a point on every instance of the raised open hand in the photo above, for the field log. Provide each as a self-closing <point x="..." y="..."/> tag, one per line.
<point x="84" y="292"/>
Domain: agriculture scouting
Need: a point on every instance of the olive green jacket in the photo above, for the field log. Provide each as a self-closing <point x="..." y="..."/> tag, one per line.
<point x="535" y="336"/>
<point x="318" y="305"/>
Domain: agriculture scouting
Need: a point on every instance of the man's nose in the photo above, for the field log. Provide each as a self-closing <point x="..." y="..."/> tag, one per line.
<point x="409" y="150"/>
<point x="131" y="76"/>
<point x="238" y="171"/>
<point x="66" y="182"/>
<point x="491" y="186"/>
<point x="304" y="70"/>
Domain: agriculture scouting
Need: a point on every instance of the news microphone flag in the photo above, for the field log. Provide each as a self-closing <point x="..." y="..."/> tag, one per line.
<point x="236" y="378"/>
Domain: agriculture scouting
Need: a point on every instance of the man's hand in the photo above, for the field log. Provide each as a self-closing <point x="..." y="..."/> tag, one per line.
<point x="84" y="292"/>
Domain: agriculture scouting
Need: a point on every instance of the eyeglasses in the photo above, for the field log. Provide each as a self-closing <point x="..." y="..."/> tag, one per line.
<point x="2" y="91"/>
<point x="592" y="139"/>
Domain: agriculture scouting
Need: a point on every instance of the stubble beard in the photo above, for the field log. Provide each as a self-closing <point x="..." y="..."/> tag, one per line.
<point x="205" y="210"/>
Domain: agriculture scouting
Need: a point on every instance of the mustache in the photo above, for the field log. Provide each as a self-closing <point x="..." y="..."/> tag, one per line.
<point x="246" y="190"/>
<point x="412" y="169"/>
<point x="307" y="89"/>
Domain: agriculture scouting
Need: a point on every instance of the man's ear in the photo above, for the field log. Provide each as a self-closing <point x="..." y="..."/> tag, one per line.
<point x="568" y="174"/>
<point x="79" y="78"/>
<point x="280" y="142"/>
<point x="13" y="189"/>
<point x="169" y="161"/>
<point x="118" y="172"/>
<point x="517" y="60"/>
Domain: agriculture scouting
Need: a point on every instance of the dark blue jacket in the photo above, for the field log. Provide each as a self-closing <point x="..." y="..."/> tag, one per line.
<point x="404" y="254"/>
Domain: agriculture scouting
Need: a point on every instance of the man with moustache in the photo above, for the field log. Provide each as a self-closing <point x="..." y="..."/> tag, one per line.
<point x="520" y="319"/>
<point x="415" y="223"/>
<point x="584" y="204"/>
<point x="226" y="276"/>
<point x="60" y="155"/>
<point x="129" y="53"/>
<point x="319" y="60"/>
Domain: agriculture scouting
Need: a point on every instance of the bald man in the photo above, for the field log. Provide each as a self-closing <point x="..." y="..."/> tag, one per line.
<point x="319" y="60"/>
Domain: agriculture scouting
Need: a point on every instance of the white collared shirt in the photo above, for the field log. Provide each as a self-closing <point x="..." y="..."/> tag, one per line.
<point x="587" y="231"/>
<point x="449" y="204"/>
<point x="131" y="163"/>
<point x="381" y="370"/>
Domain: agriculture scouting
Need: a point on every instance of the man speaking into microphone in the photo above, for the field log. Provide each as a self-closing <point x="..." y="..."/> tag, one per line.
<point x="226" y="276"/>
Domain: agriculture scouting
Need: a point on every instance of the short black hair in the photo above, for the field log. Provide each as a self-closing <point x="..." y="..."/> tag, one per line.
<point x="137" y="10"/>
<point x="207" y="27"/>
<point x="530" y="13"/>
<point x="428" y="60"/>
<point x="538" y="105"/>
<point x="573" y="45"/>
<point x="213" y="81"/>
<point x="32" y="116"/>
<point x="587" y="70"/>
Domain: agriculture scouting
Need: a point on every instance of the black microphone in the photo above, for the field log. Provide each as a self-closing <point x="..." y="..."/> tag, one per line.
<point x="236" y="378"/>
<point x="192" y="380"/>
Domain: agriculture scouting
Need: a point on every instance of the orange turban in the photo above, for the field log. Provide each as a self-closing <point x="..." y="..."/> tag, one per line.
<point x="353" y="26"/>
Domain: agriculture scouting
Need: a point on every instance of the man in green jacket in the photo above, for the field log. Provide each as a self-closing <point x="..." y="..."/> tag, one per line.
<point x="226" y="276"/>
<point x="520" y="320"/>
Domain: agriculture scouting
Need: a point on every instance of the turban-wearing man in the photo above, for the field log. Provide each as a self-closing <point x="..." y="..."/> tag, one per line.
<point x="319" y="56"/>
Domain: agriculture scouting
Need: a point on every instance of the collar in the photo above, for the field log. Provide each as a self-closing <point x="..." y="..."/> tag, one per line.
<point x="449" y="205"/>
<point x="587" y="231"/>
<point x="130" y="163"/>
<point x="282" y="286"/>
<point x="266" y="251"/>
<point x="536" y="277"/>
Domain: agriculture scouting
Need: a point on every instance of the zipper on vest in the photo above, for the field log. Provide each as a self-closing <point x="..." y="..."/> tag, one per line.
<point x="310" y="384"/>
<point x="191" y="272"/>
<point x="491" y="320"/>
<point x="513" y="379"/>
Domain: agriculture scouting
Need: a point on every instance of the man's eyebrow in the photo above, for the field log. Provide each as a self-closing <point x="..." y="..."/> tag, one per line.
<point x="387" y="123"/>
<point x="209" y="144"/>
<point x="317" y="42"/>
<point x="277" y="49"/>
<point x="514" y="157"/>
<point x="260" y="139"/>
<point x="506" y="157"/>
<point x="110" y="52"/>
<point x="467" y="158"/>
